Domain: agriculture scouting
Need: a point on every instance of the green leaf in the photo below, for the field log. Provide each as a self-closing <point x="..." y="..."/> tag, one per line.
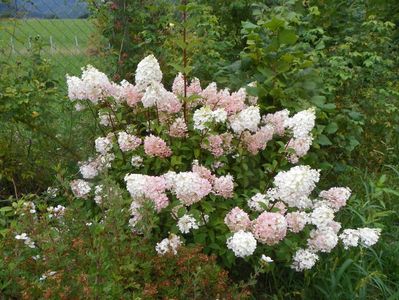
<point x="287" y="37"/>
<point x="331" y="128"/>
<point x="323" y="140"/>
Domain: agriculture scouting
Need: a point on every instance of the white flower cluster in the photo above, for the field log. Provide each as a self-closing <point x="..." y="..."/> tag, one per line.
<point x="247" y="119"/>
<point x="29" y="206"/>
<point x="148" y="72"/>
<point x="89" y="170"/>
<point x="242" y="243"/>
<point x="304" y="260"/>
<point x="168" y="245"/>
<point x="57" y="212"/>
<point x="186" y="223"/>
<point x="302" y="123"/>
<point x="258" y="202"/>
<point x="27" y="240"/>
<point x="103" y="145"/>
<point x="80" y="188"/>
<point x="205" y="116"/>
<point x="366" y="236"/>
<point x="294" y="186"/>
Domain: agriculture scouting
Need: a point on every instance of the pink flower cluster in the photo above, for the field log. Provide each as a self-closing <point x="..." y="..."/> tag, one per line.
<point x="237" y="220"/>
<point x="155" y="146"/>
<point x="336" y="197"/>
<point x="269" y="228"/>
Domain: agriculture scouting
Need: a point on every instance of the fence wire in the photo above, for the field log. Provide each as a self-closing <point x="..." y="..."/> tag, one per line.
<point x="60" y="27"/>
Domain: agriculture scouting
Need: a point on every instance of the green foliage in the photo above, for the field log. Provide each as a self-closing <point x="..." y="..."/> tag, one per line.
<point x="94" y="255"/>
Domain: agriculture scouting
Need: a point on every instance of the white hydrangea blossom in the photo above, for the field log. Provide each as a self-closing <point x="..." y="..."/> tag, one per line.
<point x="302" y="123"/>
<point x="106" y="119"/>
<point x="369" y="236"/>
<point x="89" y="170"/>
<point x="204" y="116"/>
<point x="151" y="95"/>
<point x="323" y="240"/>
<point x="103" y="145"/>
<point x="247" y="119"/>
<point x="98" y="191"/>
<point x="304" y="260"/>
<point x="167" y="245"/>
<point x="137" y="161"/>
<point x="294" y="186"/>
<point x="258" y="202"/>
<point x="80" y="188"/>
<point x="136" y="185"/>
<point x="186" y="223"/>
<point x="242" y="243"/>
<point x="322" y="216"/>
<point x="349" y="238"/>
<point x="148" y="71"/>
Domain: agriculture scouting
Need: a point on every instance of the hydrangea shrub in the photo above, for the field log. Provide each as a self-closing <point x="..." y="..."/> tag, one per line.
<point x="215" y="167"/>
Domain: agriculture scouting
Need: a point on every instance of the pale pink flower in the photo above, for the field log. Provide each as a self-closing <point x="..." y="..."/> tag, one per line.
<point x="178" y="128"/>
<point x="323" y="240"/>
<point x="336" y="197"/>
<point x="130" y="93"/>
<point x="224" y="186"/>
<point x="277" y="120"/>
<point x="296" y="221"/>
<point x="155" y="146"/>
<point x="269" y="228"/>
<point x="237" y="220"/>
<point x="300" y="146"/>
<point x="203" y="172"/>
<point x="128" y="142"/>
<point x="257" y="141"/>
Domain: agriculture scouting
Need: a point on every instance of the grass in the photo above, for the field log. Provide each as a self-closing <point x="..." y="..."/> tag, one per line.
<point x="66" y="42"/>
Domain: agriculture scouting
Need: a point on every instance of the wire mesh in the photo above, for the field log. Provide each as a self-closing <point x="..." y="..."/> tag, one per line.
<point x="61" y="27"/>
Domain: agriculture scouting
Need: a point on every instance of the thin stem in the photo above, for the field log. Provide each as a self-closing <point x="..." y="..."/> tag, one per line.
<point x="185" y="59"/>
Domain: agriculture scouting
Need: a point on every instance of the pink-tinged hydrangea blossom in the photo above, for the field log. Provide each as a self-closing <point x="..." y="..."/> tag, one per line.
<point x="130" y="93"/>
<point x="336" y="197"/>
<point x="302" y="123"/>
<point x="369" y="236"/>
<point x="103" y="145"/>
<point x="210" y="95"/>
<point x="148" y="72"/>
<point x="294" y="186"/>
<point x="194" y="88"/>
<point x="80" y="188"/>
<point x="300" y="146"/>
<point x="142" y="187"/>
<point x="323" y="240"/>
<point x="349" y="238"/>
<point x="224" y="186"/>
<point x="277" y="121"/>
<point x="203" y="172"/>
<point x="89" y="169"/>
<point x="155" y="146"/>
<point x="237" y="220"/>
<point x="296" y="221"/>
<point x="304" y="260"/>
<point x="186" y="223"/>
<point x="215" y="145"/>
<point x="168" y="102"/>
<point x="279" y="206"/>
<point x="189" y="187"/>
<point x="232" y="103"/>
<point x="178" y="128"/>
<point x="242" y="243"/>
<point x="128" y="142"/>
<point x="247" y="119"/>
<point x="169" y="245"/>
<point x="269" y="228"/>
<point x="257" y="141"/>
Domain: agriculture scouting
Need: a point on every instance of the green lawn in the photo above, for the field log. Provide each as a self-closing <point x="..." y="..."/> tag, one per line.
<point x="65" y="41"/>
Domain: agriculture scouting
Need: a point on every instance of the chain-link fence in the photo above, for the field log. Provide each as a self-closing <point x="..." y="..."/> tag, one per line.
<point x="60" y="28"/>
